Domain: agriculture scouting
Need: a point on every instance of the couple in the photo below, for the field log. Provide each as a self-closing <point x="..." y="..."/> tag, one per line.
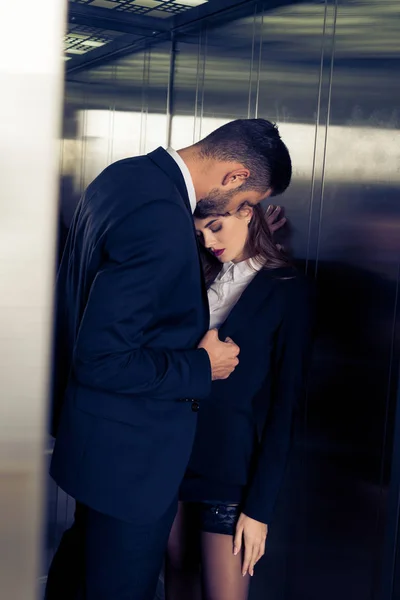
<point x="137" y="370"/>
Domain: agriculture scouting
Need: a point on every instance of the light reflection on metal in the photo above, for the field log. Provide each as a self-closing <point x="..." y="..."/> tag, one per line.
<point x="30" y="109"/>
<point x="351" y="231"/>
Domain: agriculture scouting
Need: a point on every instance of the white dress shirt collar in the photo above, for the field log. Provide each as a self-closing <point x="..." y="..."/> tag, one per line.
<point x="186" y="176"/>
<point x="228" y="287"/>
<point x="233" y="271"/>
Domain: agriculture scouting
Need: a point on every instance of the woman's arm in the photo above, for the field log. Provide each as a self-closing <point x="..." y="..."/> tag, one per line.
<point x="291" y="360"/>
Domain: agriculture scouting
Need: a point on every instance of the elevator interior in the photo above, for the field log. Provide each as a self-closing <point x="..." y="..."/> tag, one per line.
<point x="140" y="74"/>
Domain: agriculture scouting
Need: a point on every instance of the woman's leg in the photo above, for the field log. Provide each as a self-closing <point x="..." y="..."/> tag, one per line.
<point x="182" y="564"/>
<point x="222" y="577"/>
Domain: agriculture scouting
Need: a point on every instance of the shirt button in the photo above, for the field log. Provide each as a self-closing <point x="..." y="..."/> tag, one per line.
<point x="195" y="406"/>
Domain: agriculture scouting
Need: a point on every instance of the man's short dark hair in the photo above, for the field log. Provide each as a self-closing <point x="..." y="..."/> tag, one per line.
<point x="257" y="145"/>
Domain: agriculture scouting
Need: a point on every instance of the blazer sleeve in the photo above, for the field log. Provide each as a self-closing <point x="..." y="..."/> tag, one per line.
<point x="288" y="373"/>
<point x="145" y="256"/>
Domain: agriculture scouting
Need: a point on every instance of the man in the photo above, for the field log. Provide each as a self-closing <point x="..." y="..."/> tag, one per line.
<point x="131" y="367"/>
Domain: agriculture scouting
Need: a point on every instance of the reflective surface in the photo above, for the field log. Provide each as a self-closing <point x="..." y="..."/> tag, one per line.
<point x="30" y="110"/>
<point x="329" y="75"/>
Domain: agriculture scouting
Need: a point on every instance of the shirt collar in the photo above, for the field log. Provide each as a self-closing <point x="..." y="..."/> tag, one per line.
<point x="186" y="176"/>
<point x="236" y="271"/>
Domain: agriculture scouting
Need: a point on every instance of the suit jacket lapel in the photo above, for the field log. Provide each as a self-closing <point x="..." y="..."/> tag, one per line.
<point x="252" y="298"/>
<point x="165" y="162"/>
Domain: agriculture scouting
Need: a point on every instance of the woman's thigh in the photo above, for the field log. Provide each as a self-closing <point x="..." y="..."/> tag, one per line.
<point x="183" y="550"/>
<point x="222" y="577"/>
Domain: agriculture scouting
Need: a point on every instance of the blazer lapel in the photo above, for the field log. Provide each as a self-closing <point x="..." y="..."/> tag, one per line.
<point x="253" y="296"/>
<point x="165" y="162"/>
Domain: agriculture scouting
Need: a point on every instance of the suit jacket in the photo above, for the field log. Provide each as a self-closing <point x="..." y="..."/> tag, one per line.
<point x="244" y="428"/>
<point x="131" y="309"/>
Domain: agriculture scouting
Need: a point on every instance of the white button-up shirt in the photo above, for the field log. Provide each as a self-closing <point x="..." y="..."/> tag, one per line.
<point x="186" y="176"/>
<point x="227" y="288"/>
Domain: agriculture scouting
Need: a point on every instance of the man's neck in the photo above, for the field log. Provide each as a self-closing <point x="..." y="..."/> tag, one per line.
<point x="199" y="169"/>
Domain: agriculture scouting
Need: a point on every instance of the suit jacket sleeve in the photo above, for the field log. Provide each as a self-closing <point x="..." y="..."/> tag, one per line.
<point x="292" y="354"/>
<point x="145" y="256"/>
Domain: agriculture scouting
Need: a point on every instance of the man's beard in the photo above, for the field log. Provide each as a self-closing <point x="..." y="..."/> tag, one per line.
<point x="215" y="203"/>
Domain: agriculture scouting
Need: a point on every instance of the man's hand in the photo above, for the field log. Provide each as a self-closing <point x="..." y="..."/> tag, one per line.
<point x="253" y="535"/>
<point x="272" y="215"/>
<point x="223" y="355"/>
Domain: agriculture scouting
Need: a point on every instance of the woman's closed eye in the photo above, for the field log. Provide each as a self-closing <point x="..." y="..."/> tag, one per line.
<point x="212" y="228"/>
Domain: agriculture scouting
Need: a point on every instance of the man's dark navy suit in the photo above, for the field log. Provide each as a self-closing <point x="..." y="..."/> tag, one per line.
<point x="131" y="309"/>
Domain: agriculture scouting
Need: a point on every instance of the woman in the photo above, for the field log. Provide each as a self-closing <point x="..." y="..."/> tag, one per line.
<point x="244" y="428"/>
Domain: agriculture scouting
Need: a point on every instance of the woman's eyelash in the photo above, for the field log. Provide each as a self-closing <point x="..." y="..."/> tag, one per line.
<point x="217" y="229"/>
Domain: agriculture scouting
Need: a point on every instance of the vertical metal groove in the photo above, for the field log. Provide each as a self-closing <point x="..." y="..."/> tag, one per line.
<point x="203" y="76"/>
<point x="310" y="215"/>
<point x="318" y="117"/>
<point x="253" y="41"/>
<point x="326" y="138"/>
<point x="83" y="144"/>
<point x="313" y="177"/>
<point x="259" y="64"/>
<point x="111" y="118"/>
<point x="170" y="90"/>
<point x="145" y="104"/>
<point x="196" y="98"/>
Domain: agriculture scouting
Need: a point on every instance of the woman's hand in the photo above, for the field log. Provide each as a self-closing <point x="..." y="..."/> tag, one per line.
<point x="253" y="535"/>
<point x="272" y="215"/>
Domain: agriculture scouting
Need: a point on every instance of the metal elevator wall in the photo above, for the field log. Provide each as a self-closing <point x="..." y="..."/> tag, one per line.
<point x="328" y="73"/>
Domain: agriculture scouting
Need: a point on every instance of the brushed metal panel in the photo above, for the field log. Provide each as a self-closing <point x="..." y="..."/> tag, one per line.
<point x="357" y="259"/>
<point x="30" y="109"/>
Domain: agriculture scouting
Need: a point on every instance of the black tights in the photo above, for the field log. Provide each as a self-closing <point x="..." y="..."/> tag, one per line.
<point x="200" y="565"/>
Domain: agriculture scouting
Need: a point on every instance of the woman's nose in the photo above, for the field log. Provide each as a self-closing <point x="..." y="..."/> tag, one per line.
<point x="208" y="240"/>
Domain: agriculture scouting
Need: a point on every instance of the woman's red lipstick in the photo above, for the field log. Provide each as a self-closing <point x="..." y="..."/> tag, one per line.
<point x="218" y="253"/>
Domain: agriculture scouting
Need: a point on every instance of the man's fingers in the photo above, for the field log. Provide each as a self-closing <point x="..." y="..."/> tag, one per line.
<point x="229" y="340"/>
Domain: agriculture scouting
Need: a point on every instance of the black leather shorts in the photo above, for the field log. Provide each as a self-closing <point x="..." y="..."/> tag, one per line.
<point x="217" y="517"/>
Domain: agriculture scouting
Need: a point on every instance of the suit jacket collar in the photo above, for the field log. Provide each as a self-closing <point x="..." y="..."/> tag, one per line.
<point x="167" y="164"/>
<point x="252" y="298"/>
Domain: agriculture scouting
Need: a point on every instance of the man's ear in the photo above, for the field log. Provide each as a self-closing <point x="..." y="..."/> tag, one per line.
<point x="235" y="177"/>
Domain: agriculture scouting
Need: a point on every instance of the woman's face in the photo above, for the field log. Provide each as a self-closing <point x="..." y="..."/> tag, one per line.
<point x="225" y="236"/>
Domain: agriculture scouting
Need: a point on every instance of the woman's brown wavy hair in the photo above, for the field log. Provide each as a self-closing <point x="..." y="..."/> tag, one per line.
<point x="259" y="246"/>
